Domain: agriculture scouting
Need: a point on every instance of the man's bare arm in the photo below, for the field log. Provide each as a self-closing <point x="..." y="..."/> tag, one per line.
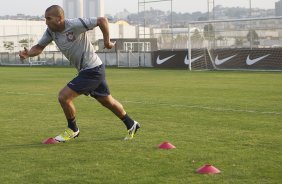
<point x="103" y="24"/>
<point x="34" y="51"/>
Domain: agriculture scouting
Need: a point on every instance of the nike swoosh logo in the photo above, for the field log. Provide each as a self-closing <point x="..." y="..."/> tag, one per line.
<point x="253" y="61"/>
<point x="161" y="61"/>
<point x="221" y="61"/>
<point x="187" y="61"/>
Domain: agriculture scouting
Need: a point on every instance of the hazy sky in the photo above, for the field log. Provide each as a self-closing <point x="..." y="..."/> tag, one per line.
<point x="37" y="7"/>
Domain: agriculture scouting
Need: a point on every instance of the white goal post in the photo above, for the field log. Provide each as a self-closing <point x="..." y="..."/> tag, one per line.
<point x="238" y="44"/>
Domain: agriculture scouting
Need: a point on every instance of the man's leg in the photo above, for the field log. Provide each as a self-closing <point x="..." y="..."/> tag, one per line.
<point x="117" y="108"/>
<point x="112" y="104"/>
<point x="66" y="97"/>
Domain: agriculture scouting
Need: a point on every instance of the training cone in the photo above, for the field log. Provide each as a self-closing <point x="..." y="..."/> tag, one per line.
<point x="166" y="145"/>
<point x="208" y="169"/>
<point x="50" y="141"/>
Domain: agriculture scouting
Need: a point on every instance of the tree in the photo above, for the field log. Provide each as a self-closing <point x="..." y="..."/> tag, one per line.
<point x="239" y="42"/>
<point x="9" y="45"/>
<point x="222" y="40"/>
<point x="209" y="32"/>
<point x="197" y="39"/>
<point x="253" y="37"/>
<point x="180" y="41"/>
<point x="26" y="42"/>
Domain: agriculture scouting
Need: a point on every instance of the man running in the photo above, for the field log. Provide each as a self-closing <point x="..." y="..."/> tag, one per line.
<point x="71" y="38"/>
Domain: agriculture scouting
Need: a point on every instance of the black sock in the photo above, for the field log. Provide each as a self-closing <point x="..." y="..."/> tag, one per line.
<point x="127" y="121"/>
<point x="72" y="124"/>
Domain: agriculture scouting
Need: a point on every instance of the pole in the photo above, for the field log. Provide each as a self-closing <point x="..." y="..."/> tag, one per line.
<point x="189" y="47"/>
<point x="138" y="32"/>
<point x="250" y="9"/>
<point x="251" y="25"/>
<point x="213" y="14"/>
<point x="208" y="3"/>
<point x="144" y="37"/>
<point x="171" y="22"/>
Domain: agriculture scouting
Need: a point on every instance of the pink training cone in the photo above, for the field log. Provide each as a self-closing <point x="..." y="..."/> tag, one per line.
<point x="166" y="145"/>
<point x="208" y="169"/>
<point x="50" y="141"/>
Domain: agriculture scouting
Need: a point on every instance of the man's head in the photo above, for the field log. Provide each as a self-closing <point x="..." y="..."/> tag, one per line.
<point x="55" y="18"/>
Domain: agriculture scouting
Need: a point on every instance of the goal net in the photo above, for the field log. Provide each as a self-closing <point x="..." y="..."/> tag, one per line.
<point x="235" y="44"/>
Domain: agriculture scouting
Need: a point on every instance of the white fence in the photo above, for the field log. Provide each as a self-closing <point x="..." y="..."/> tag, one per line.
<point x="119" y="59"/>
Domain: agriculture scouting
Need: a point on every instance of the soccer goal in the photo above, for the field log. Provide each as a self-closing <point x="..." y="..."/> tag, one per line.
<point x="239" y="44"/>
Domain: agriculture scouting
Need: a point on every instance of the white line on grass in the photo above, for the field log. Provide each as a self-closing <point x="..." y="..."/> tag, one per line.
<point x="204" y="107"/>
<point x="172" y="105"/>
<point x="24" y="93"/>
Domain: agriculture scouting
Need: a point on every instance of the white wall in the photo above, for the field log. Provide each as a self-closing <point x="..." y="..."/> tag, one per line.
<point x="127" y="31"/>
<point x="16" y="30"/>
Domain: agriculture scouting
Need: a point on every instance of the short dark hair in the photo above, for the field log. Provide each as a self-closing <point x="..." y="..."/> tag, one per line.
<point x="58" y="11"/>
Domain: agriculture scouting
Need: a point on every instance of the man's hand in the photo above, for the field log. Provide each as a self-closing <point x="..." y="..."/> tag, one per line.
<point x="109" y="45"/>
<point x="24" y="54"/>
<point x="34" y="51"/>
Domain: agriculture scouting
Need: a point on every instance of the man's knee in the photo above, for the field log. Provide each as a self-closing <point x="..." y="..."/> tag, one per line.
<point x="66" y="95"/>
<point x="62" y="98"/>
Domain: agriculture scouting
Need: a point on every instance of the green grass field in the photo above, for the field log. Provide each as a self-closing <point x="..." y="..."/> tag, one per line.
<point x="232" y="120"/>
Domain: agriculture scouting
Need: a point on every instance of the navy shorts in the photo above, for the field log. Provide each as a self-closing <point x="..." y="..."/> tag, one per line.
<point x="91" y="82"/>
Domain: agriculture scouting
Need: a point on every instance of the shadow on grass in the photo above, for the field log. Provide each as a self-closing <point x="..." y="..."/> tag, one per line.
<point x="18" y="146"/>
<point x="39" y="144"/>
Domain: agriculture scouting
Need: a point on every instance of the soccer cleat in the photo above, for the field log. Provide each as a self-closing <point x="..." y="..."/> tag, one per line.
<point x="132" y="131"/>
<point x="67" y="135"/>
